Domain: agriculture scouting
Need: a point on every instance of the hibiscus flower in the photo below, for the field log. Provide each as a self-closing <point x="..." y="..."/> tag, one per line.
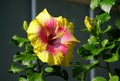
<point x="52" y="39"/>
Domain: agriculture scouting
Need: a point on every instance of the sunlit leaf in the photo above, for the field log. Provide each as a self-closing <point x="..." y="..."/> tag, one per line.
<point x="49" y="69"/>
<point x="114" y="78"/>
<point x="34" y="76"/>
<point x="99" y="79"/>
<point x="89" y="46"/>
<point x="25" y="25"/>
<point x="110" y="45"/>
<point x="107" y="29"/>
<point x="106" y="5"/>
<point x="102" y="18"/>
<point x="22" y="79"/>
<point x="15" y="69"/>
<point x="94" y="4"/>
<point x="19" y="41"/>
<point x="104" y="42"/>
<point x="24" y="58"/>
<point x="93" y="40"/>
<point x="112" y="58"/>
<point x="97" y="51"/>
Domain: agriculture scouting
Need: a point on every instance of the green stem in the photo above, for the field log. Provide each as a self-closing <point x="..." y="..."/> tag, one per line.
<point x="108" y="69"/>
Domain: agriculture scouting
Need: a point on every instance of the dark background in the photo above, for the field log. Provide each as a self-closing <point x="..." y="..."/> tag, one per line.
<point x="14" y="12"/>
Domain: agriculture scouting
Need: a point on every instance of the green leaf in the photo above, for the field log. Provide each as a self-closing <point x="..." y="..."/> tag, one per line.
<point x="99" y="79"/>
<point x="85" y="53"/>
<point x="114" y="78"/>
<point x="102" y="18"/>
<point x="24" y="58"/>
<point x="25" y="25"/>
<point x="80" y="71"/>
<point x="109" y="58"/>
<point x="110" y="45"/>
<point x="89" y="46"/>
<point x="15" y="69"/>
<point x="22" y="79"/>
<point x="97" y="51"/>
<point x="19" y="41"/>
<point x="33" y="76"/>
<point x="92" y="40"/>
<point x="104" y="42"/>
<point x="112" y="58"/>
<point x="117" y="23"/>
<point x="94" y="4"/>
<point x="49" y="69"/>
<point x="106" y="5"/>
<point x="107" y="29"/>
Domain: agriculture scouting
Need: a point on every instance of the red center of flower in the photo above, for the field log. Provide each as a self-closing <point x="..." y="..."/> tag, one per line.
<point x="51" y="39"/>
<point x="54" y="37"/>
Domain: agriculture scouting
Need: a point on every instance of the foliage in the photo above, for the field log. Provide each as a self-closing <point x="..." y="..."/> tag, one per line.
<point x="103" y="43"/>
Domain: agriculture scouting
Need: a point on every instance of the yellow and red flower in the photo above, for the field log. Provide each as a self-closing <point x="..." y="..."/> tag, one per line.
<point x="52" y="39"/>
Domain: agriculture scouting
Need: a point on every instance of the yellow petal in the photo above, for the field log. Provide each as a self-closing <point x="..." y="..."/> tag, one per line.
<point x="64" y="23"/>
<point x="33" y="27"/>
<point x="58" y="58"/>
<point x="32" y="32"/>
<point x="68" y="57"/>
<point x="89" y="23"/>
<point x="43" y="17"/>
<point x="51" y="59"/>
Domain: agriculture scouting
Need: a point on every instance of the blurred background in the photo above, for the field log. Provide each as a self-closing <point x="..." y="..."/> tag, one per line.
<point x="14" y="12"/>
